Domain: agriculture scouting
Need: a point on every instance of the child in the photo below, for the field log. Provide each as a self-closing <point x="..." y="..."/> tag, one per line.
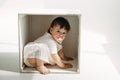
<point x="48" y="48"/>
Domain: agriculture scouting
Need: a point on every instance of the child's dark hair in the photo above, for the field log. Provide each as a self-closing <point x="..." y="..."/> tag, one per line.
<point x="60" y="21"/>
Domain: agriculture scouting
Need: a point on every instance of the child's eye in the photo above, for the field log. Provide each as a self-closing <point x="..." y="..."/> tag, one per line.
<point x="61" y="32"/>
<point x="58" y="31"/>
<point x="64" y="33"/>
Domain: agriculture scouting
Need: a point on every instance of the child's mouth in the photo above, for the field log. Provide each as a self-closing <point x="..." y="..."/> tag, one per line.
<point x="59" y="40"/>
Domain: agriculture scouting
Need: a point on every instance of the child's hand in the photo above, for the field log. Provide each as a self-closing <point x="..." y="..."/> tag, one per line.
<point x="67" y="65"/>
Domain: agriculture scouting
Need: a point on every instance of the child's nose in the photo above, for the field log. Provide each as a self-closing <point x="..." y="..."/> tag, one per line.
<point x="61" y="36"/>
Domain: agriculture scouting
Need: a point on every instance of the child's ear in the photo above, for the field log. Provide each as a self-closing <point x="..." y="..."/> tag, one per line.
<point x="51" y="30"/>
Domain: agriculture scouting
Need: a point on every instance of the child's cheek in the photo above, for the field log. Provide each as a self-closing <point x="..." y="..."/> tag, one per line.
<point x="62" y="37"/>
<point x="55" y="37"/>
<point x="59" y="38"/>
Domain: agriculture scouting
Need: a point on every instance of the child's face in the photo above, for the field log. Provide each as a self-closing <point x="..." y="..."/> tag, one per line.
<point x="58" y="33"/>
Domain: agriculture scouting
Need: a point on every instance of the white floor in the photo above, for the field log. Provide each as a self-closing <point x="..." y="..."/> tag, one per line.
<point x="56" y="69"/>
<point x="93" y="66"/>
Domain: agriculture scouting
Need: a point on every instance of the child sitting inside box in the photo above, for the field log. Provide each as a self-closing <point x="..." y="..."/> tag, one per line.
<point x="47" y="50"/>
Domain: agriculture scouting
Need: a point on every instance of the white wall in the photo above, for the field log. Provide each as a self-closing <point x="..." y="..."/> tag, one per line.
<point x="99" y="26"/>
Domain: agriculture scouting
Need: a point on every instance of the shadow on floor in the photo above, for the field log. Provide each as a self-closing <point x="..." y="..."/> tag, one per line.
<point x="9" y="61"/>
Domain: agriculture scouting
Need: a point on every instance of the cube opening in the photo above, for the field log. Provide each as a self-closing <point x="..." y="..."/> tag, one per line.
<point x="32" y="26"/>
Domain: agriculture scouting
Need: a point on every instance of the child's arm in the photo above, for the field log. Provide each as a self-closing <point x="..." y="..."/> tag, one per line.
<point x="63" y="57"/>
<point x="59" y="62"/>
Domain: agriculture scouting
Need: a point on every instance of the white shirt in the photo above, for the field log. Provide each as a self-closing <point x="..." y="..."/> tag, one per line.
<point x="47" y="39"/>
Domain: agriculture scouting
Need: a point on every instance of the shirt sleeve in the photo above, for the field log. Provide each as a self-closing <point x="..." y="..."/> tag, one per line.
<point x="52" y="47"/>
